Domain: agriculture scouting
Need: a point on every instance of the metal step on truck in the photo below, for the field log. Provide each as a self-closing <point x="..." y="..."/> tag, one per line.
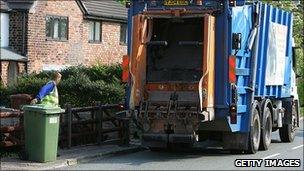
<point x="220" y="70"/>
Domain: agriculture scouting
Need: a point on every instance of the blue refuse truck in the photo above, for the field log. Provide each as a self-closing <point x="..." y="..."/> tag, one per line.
<point x="220" y="70"/>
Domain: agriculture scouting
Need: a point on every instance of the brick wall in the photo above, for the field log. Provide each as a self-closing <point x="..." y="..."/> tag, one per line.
<point x="4" y="69"/>
<point x="77" y="49"/>
<point x="21" y="68"/>
<point x="17" y="28"/>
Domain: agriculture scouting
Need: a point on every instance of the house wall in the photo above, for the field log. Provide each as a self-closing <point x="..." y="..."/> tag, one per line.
<point x="20" y="70"/>
<point x="4" y="43"/>
<point x="11" y="35"/>
<point x="4" y="69"/>
<point x="50" y="54"/>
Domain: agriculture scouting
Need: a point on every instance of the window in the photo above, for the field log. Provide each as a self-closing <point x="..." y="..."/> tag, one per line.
<point x="123" y="34"/>
<point x="95" y="31"/>
<point x="57" y="27"/>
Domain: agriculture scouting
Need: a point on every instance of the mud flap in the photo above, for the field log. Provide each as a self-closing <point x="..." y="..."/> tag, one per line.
<point x="287" y="105"/>
<point x="235" y="141"/>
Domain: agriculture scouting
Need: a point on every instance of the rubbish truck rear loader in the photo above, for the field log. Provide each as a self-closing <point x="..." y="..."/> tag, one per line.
<point x="220" y="70"/>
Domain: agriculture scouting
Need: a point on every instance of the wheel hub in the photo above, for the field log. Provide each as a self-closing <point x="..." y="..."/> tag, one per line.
<point x="256" y="134"/>
<point x="268" y="131"/>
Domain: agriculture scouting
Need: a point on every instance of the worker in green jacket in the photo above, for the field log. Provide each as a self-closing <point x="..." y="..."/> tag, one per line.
<point x="48" y="94"/>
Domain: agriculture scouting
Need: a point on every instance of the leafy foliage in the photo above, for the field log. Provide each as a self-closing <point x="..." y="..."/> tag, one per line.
<point x="3" y="95"/>
<point x="80" y="86"/>
<point x="123" y="1"/>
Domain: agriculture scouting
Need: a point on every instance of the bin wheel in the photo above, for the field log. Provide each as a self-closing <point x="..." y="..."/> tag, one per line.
<point x="266" y="132"/>
<point x="156" y="149"/>
<point x="23" y="155"/>
<point x="288" y="131"/>
<point x="255" y="133"/>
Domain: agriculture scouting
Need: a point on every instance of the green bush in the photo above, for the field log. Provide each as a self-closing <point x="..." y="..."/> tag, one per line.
<point x="80" y="86"/>
<point x="109" y="74"/>
<point x="28" y="85"/>
<point x="3" y="95"/>
<point x="79" y="90"/>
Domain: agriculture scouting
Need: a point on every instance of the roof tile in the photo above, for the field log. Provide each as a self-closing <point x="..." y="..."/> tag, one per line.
<point x="110" y="9"/>
<point x="4" y="6"/>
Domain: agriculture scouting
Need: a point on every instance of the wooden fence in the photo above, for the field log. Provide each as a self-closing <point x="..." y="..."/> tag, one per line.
<point x="11" y="134"/>
<point x="96" y="124"/>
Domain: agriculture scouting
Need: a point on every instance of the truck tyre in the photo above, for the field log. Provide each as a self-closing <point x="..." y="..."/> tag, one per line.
<point x="255" y="133"/>
<point x="236" y="151"/>
<point x="266" y="132"/>
<point x="288" y="131"/>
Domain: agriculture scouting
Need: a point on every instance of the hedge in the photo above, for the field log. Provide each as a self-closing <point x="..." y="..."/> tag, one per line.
<point x="80" y="85"/>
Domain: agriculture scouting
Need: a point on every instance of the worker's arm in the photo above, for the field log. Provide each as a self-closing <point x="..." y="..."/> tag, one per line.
<point x="45" y="90"/>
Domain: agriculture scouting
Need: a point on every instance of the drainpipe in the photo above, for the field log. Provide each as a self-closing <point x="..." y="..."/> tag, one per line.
<point x="23" y="39"/>
<point x="23" y="32"/>
<point x="1" y="79"/>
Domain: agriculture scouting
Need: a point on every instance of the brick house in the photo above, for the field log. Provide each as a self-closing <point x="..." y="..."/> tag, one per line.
<point x="53" y="35"/>
<point x="11" y="62"/>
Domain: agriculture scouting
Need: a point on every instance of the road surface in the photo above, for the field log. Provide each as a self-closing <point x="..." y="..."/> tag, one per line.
<point x="200" y="159"/>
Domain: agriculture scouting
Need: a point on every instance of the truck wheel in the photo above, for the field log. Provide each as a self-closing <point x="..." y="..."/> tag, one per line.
<point x="236" y="151"/>
<point x="266" y="132"/>
<point x="255" y="133"/>
<point x="288" y="131"/>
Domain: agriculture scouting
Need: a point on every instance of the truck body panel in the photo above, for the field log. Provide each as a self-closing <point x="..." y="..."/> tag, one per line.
<point x="282" y="20"/>
<point x="236" y="53"/>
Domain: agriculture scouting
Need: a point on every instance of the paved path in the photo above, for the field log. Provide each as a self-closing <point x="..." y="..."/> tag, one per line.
<point x="199" y="159"/>
<point x="68" y="157"/>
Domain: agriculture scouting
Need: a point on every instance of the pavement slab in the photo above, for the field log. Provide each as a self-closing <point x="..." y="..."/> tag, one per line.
<point x="69" y="157"/>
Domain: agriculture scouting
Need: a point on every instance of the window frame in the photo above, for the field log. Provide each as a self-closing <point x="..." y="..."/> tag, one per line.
<point x="94" y="31"/>
<point x="124" y="42"/>
<point x="60" y="20"/>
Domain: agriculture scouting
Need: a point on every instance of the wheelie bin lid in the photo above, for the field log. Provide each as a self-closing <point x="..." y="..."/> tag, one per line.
<point x="43" y="109"/>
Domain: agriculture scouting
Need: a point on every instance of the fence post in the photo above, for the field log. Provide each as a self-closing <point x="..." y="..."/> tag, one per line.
<point x="126" y="131"/>
<point x="69" y="120"/>
<point x="121" y="132"/>
<point x="21" y="121"/>
<point x="61" y="128"/>
<point x="99" y="126"/>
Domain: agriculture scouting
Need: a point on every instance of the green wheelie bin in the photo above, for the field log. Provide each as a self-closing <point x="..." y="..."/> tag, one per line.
<point x="41" y="127"/>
